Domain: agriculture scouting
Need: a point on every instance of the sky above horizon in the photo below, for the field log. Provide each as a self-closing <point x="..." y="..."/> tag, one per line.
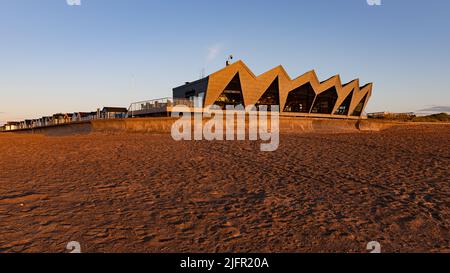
<point x="60" y="58"/>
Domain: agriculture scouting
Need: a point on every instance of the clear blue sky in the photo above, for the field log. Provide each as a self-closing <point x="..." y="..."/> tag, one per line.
<point x="60" y="58"/>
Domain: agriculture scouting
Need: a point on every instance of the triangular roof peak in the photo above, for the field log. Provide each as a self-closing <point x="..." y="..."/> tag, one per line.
<point x="238" y="63"/>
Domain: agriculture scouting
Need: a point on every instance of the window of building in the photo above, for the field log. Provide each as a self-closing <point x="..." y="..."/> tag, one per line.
<point x="359" y="108"/>
<point x="232" y="94"/>
<point x="270" y="96"/>
<point x="344" y="107"/>
<point x="300" y="99"/>
<point x="325" y="101"/>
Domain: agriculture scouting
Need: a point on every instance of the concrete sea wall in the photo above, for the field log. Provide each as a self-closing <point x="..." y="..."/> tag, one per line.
<point x="164" y="125"/>
<point x="286" y="125"/>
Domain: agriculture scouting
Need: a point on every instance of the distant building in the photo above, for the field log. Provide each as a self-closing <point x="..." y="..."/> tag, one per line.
<point x="39" y="122"/>
<point x="235" y="84"/>
<point x="390" y="115"/>
<point x="113" y="112"/>
<point x="68" y="117"/>
<point x="12" y="125"/>
<point x="28" y="123"/>
<point x="25" y="124"/>
<point x="302" y="96"/>
<point x="61" y="118"/>
<point x="47" y="120"/>
<point x="58" y="118"/>
<point x="34" y="123"/>
<point x="83" y="116"/>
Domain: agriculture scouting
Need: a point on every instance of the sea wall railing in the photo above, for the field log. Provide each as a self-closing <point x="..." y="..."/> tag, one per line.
<point x="156" y="106"/>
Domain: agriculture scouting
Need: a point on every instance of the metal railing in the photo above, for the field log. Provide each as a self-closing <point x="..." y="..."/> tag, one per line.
<point x="156" y="106"/>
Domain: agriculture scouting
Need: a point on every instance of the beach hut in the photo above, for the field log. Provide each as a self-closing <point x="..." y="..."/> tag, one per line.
<point x="40" y="122"/>
<point x="12" y="125"/>
<point x="22" y="124"/>
<point x="28" y="123"/>
<point x="46" y="121"/>
<point x="83" y="116"/>
<point x="88" y="115"/>
<point x="75" y="117"/>
<point x="34" y="123"/>
<point x="58" y="118"/>
<point x="67" y="118"/>
<point x="95" y="115"/>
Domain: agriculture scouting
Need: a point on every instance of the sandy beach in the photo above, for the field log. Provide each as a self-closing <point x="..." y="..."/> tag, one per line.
<point x="319" y="192"/>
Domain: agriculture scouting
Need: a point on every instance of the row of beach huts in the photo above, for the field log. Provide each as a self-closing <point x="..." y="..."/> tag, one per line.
<point x="64" y="118"/>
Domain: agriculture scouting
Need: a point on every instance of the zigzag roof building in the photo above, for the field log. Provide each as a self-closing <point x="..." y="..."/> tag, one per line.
<point x="303" y="96"/>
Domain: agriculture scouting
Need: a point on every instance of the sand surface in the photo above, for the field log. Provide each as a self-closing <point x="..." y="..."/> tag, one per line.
<point x="127" y="192"/>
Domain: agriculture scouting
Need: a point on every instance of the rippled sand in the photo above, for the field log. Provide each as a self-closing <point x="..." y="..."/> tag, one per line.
<point x="148" y="193"/>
